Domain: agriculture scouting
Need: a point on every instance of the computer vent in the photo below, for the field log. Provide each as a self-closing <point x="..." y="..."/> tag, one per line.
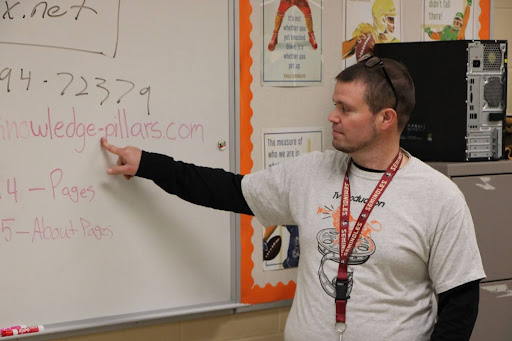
<point x="492" y="57"/>
<point x="493" y="92"/>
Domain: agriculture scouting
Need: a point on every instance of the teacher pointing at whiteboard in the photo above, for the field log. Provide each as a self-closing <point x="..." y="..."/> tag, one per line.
<point x="400" y="262"/>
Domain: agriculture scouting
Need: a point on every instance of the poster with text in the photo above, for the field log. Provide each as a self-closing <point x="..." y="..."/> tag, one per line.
<point x="368" y="22"/>
<point x="281" y="246"/>
<point x="449" y="20"/>
<point x="292" y="42"/>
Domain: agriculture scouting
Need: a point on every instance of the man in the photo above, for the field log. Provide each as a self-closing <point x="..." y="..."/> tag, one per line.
<point x="455" y="32"/>
<point x="416" y="237"/>
<point x="284" y="6"/>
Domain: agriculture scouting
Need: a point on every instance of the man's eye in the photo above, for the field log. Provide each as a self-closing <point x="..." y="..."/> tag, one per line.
<point x="341" y="107"/>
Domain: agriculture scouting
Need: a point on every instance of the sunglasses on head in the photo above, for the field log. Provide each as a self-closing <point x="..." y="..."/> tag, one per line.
<point x="371" y="61"/>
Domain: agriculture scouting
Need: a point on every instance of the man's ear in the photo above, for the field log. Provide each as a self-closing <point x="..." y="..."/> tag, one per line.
<point x="388" y="119"/>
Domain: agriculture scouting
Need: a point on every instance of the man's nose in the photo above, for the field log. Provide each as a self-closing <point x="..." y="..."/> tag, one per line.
<point x="334" y="117"/>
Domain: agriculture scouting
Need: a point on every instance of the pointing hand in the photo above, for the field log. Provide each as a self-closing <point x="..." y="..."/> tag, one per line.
<point x="128" y="161"/>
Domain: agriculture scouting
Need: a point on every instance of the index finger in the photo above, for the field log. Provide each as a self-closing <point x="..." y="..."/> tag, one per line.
<point x="111" y="148"/>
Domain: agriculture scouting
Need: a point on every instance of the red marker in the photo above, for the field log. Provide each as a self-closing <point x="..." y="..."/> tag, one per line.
<point x="23" y="330"/>
<point x="10" y="328"/>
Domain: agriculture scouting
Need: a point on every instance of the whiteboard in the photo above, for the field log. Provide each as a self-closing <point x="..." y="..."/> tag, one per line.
<point x="76" y="243"/>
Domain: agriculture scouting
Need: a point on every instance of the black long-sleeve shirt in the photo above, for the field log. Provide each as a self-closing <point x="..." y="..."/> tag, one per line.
<point x="219" y="189"/>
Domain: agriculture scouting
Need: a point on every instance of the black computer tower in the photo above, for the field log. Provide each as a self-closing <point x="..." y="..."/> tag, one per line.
<point x="461" y="98"/>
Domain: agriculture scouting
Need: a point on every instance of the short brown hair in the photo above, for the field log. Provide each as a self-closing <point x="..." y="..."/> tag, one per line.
<point x="379" y="94"/>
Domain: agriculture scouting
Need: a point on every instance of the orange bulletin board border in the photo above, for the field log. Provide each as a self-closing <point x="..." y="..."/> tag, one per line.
<point x="485" y="19"/>
<point x="249" y="292"/>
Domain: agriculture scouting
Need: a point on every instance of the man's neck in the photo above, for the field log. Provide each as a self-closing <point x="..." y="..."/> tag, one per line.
<point x="377" y="161"/>
<point x="367" y="169"/>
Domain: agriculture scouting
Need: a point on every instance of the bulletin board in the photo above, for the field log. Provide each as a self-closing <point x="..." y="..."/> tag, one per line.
<point x="290" y="105"/>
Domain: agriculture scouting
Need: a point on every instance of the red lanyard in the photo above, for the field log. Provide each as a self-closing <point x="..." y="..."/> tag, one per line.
<point x="347" y="242"/>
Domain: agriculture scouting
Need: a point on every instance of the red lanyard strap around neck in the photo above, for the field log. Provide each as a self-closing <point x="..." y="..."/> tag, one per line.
<point x="347" y="242"/>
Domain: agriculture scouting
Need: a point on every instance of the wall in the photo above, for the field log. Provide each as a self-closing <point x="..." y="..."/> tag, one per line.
<point x="267" y="324"/>
<point x="502" y="29"/>
<point x="262" y="325"/>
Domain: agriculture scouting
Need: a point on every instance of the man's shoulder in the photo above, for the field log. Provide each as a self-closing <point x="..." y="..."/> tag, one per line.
<point x="317" y="162"/>
<point x="424" y="169"/>
<point x="328" y="157"/>
<point x="432" y="179"/>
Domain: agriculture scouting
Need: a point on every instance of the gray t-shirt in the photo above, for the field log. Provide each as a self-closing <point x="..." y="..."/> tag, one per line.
<point x="419" y="240"/>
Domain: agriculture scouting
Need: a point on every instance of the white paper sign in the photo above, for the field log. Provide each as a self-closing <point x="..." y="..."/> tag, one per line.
<point x="281" y="247"/>
<point x="292" y="43"/>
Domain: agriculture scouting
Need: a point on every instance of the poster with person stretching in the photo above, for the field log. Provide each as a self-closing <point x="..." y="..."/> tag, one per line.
<point x="292" y="42"/>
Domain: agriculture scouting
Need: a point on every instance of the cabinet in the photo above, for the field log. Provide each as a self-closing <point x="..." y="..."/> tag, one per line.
<point x="487" y="187"/>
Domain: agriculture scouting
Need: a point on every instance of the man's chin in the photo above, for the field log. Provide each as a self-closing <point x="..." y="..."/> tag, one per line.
<point x="341" y="147"/>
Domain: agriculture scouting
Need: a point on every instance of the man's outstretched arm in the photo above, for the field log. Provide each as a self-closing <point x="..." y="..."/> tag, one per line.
<point x="209" y="187"/>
